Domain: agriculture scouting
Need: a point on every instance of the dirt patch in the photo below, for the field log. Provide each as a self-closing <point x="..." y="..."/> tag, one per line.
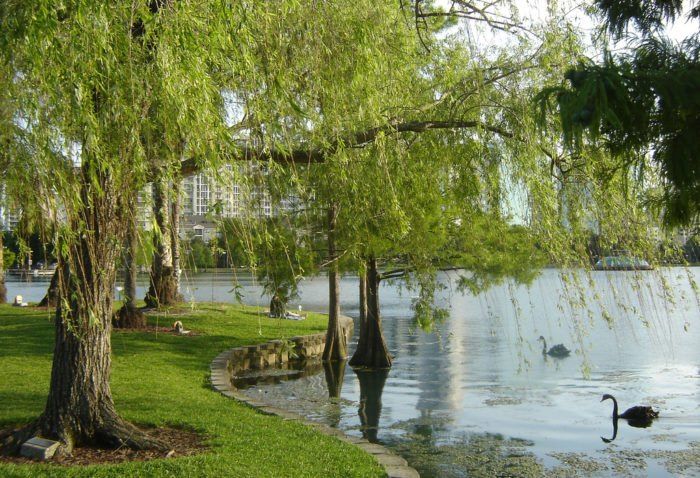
<point x="152" y="329"/>
<point x="181" y="442"/>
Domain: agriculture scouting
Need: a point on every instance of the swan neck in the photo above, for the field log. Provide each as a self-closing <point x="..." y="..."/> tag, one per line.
<point x="544" y="346"/>
<point x="614" y="406"/>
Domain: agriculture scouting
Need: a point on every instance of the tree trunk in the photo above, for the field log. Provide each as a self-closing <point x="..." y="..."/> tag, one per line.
<point x="278" y="308"/>
<point x="363" y="305"/>
<point x="336" y="347"/>
<point x="371" y="349"/>
<point x="175" y="234"/>
<point x="51" y="297"/>
<point x="363" y="312"/>
<point x="163" y="290"/>
<point x="130" y="316"/>
<point x="79" y="409"/>
<point x="3" y="288"/>
<point x="370" y="409"/>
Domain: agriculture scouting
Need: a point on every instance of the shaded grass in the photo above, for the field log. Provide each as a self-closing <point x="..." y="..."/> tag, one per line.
<point x="161" y="379"/>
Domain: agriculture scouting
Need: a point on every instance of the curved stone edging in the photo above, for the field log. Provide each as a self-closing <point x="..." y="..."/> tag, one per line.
<point x="262" y="355"/>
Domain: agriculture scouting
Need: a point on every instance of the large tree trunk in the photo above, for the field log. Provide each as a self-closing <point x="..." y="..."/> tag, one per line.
<point x="79" y="409"/>
<point x="370" y="409"/>
<point x="163" y="290"/>
<point x="363" y="304"/>
<point x="363" y="311"/>
<point x="371" y="349"/>
<point x="336" y="347"/>
<point x="50" y="299"/>
<point x="3" y="288"/>
<point x="130" y="316"/>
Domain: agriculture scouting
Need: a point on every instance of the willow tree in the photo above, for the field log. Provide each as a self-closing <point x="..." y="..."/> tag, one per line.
<point x="376" y="113"/>
<point x="83" y="83"/>
<point x="109" y="95"/>
<point x="480" y="190"/>
<point x="430" y="191"/>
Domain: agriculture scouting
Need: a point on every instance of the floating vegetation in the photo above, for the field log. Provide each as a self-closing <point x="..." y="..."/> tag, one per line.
<point x="489" y="454"/>
<point x="682" y="462"/>
<point x="482" y="455"/>
<point x="576" y="464"/>
<point x="665" y="437"/>
<point x="628" y="463"/>
<point x="494" y="402"/>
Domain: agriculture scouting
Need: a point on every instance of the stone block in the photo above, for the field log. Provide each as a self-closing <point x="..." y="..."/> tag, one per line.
<point x="256" y="362"/>
<point x="390" y="460"/>
<point x="401" y="472"/>
<point x="39" y="448"/>
<point x="373" y="448"/>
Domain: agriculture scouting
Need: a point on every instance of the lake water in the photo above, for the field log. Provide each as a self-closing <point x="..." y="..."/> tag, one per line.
<point x="476" y="396"/>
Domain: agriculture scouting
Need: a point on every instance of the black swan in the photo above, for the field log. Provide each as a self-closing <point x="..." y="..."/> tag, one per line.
<point x="557" y="351"/>
<point x="639" y="413"/>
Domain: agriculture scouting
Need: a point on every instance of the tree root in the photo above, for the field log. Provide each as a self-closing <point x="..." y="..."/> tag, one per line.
<point x="11" y="440"/>
<point x="129" y="317"/>
<point x="114" y="433"/>
<point x="120" y="433"/>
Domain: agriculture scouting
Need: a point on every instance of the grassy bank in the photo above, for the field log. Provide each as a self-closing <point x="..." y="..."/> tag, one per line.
<point x="163" y="380"/>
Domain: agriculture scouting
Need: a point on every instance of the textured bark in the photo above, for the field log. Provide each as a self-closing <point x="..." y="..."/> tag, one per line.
<point x="3" y="288"/>
<point x="79" y="409"/>
<point x="370" y="409"/>
<point x="175" y="234"/>
<point x="336" y="347"/>
<point x="371" y="349"/>
<point x="129" y="316"/>
<point x="51" y="297"/>
<point x="277" y="306"/>
<point x="363" y="296"/>
<point x="163" y="290"/>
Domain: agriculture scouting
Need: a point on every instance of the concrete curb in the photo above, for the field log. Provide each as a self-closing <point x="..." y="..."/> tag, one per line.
<point x="394" y="465"/>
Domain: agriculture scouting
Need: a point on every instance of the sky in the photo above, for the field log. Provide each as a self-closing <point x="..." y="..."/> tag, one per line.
<point x="534" y="11"/>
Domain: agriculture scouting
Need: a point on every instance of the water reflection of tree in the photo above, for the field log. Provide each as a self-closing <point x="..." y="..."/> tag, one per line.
<point x="371" y="388"/>
<point x="335" y="373"/>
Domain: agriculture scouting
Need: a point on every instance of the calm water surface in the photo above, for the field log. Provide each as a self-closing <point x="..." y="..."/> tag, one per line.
<point x="479" y="388"/>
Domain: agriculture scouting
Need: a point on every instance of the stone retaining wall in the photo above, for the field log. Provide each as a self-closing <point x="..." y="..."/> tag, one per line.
<point x="278" y="352"/>
<point x="232" y="362"/>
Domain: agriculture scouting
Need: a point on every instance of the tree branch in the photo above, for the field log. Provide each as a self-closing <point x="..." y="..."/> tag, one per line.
<point x="358" y="140"/>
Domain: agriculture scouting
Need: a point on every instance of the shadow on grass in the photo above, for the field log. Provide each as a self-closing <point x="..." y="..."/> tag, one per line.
<point x="21" y="403"/>
<point x="186" y="353"/>
<point x="217" y="329"/>
<point x="27" y="336"/>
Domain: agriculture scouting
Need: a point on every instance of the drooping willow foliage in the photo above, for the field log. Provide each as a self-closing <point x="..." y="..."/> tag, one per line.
<point x="139" y="88"/>
<point x="641" y="103"/>
<point x="427" y="145"/>
<point x="474" y="183"/>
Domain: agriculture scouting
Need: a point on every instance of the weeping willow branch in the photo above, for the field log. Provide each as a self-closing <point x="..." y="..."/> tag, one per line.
<point x="317" y="155"/>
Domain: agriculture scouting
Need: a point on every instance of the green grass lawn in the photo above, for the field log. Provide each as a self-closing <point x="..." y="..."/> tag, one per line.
<point x="163" y="380"/>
